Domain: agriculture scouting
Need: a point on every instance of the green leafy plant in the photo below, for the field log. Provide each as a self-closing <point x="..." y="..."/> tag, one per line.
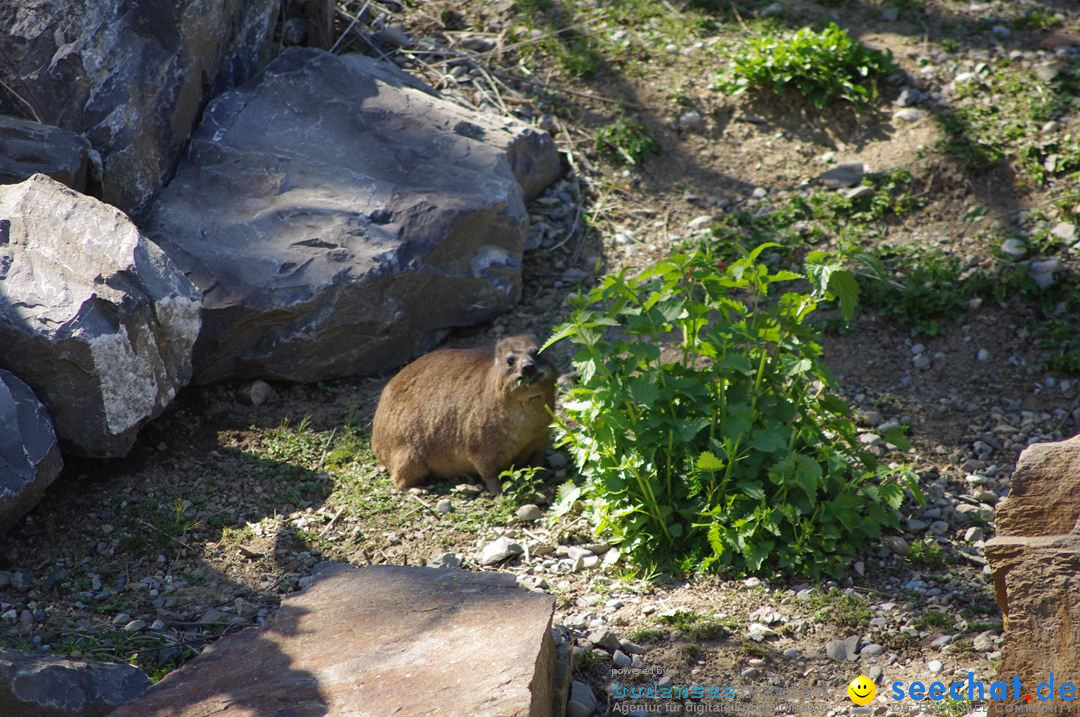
<point x="1060" y="340"/>
<point x="927" y="554"/>
<point x="626" y="141"/>
<point x="520" y="485"/>
<point x="821" y="66"/>
<point x="704" y="424"/>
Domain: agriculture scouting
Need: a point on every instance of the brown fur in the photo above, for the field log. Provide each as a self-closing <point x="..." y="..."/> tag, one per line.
<point x="454" y="412"/>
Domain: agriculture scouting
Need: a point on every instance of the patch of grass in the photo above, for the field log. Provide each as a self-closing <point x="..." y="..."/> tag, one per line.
<point x="626" y="141"/>
<point x="926" y="554"/>
<point x="933" y="619"/>
<point x="698" y="628"/>
<point x="840" y="609"/>
<point x="821" y="66"/>
<point x="1059" y="340"/>
<point x="1034" y="19"/>
<point x="647" y="635"/>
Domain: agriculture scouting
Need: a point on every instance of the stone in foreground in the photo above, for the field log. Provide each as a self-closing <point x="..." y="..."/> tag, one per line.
<point x="340" y="218"/>
<point x="29" y="457"/>
<point x="28" y="148"/>
<point x="377" y="641"/>
<point x="93" y="316"/>
<point x="33" y="686"/>
<point x="1035" y="561"/>
<point x="132" y="77"/>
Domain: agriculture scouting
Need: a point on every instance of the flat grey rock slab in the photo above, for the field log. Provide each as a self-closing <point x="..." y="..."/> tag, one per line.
<point x="38" y="686"/>
<point x="339" y="218"/>
<point x="93" y="316"/>
<point x="28" y="148"/>
<point x="29" y="455"/>
<point x="377" y="641"/>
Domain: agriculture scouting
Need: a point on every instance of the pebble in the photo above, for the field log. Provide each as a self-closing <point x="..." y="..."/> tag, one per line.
<point x="499" y="550"/>
<point x="135" y="626"/>
<point x="896" y="544"/>
<point x="1064" y="231"/>
<point x="791" y="653"/>
<point x="751" y="673"/>
<point x="529" y="512"/>
<point x="837" y="650"/>
<point x="1000" y="31"/>
<point x="255" y="393"/>
<point x="845" y="174"/>
<point x="875" y="673"/>
<point x="691" y="120"/>
<point x="982" y="355"/>
<point x="605" y="639"/>
<point x="760" y="192"/>
<point x="700" y="222"/>
<point x="908" y="96"/>
<point x="982" y="643"/>
<point x="935" y="666"/>
<point x="21" y="580"/>
<point x="444" y="506"/>
<point x="922" y="362"/>
<point x="872" y="650"/>
<point x="909" y="114"/>
<point x="1014" y="247"/>
<point x="621" y="659"/>
<point x="758" y="632"/>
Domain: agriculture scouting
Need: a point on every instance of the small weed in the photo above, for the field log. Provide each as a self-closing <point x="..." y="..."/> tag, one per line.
<point x="1060" y="343"/>
<point x="691" y="652"/>
<point x="626" y="141"/>
<point x="840" y="609"/>
<point x="520" y="485"/>
<point x="926" y="554"/>
<point x="821" y="66"/>
<point x="933" y="619"/>
<point x="1036" y="20"/>
<point x="648" y="635"/>
<point x="698" y="627"/>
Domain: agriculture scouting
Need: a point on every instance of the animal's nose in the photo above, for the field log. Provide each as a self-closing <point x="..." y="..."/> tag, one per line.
<point x="528" y="369"/>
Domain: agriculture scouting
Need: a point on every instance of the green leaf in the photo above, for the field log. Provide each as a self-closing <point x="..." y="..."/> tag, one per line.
<point x="770" y="440"/>
<point x="709" y="463"/>
<point x="843" y="285"/>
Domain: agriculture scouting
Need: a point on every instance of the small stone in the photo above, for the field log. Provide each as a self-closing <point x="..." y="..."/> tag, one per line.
<point x="621" y="659"/>
<point x="973" y="534"/>
<point x="982" y="643"/>
<point x="872" y="650"/>
<point x="860" y="191"/>
<point x="935" y="666"/>
<point x="1064" y="231"/>
<point x="982" y="355"/>
<point x="1014" y="247"/>
<point x="916" y="526"/>
<point x="21" y="580"/>
<point x="890" y="14"/>
<point x="758" y="632"/>
<point x="700" y="222"/>
<point x="529" y="513"/>
<point x="499" y="550"/>
<point x="582" y="700"/>
<point x="255" y="393"/>
<point x="908" y="96"/>
<point x="875" y="673"/>
<point x="760" y="192"/>
<point x="444" y="506"/>
<point x="922" y="362"/>
<point x="244" y="608"/>
<point x="896" y="544"/>
<point x="909" y="114"/>
<point x="938" y="527"/>
<point x="395" y="36"/>
<point x="751" y="673"/>
<point x="157" y="626"/>
<point x="845" y="174"/>
<point x="791" y="653"/>
<point x="605" y="639"/>
<point x="1000" y="31"/>
<point x="837" y="650"/>
<point x="135" y="626"/>
<point x="691" y="120"/>
<point x="213" y="616"/>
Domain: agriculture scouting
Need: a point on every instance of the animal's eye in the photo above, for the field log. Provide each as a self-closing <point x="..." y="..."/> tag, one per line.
<point x="510" y="360"/>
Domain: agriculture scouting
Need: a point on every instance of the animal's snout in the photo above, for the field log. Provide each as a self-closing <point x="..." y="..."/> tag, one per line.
<point x="529" y="369"/>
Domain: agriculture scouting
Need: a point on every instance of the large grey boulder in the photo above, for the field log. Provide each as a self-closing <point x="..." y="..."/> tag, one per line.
<point x="28" y="148"/>
<point x="29" y="457"/>
<point x="35" y="686"/>
<point x="130" y="76"/>
<point x="339" y="217"/>
<point x="93" y="316"/>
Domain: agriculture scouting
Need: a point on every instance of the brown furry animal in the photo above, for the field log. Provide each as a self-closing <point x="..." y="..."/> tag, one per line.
<point x="454" y="412"/>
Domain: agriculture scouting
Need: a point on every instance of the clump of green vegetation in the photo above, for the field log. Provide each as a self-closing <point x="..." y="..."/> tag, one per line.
<point x="933" y="619"/>
<point x="926" y="554"/>
<point x="821" y="66"/>
<point x="1060" y="343"/>
<point x="704" y="424"/>
<point x="626" y="141"/>
<point x="520" y="485"/>
<point x="916" y="286"/>
<point x="698" y="628"/>
<point x="1036" y="20"/>
<point x="841" y="609"/>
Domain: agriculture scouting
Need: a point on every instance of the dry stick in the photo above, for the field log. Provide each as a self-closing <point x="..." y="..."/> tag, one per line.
<point x="577" y="93"/>
<point x="332" y="521"/>
<point x="354" y="19"/>
<point x="20" y="98"/>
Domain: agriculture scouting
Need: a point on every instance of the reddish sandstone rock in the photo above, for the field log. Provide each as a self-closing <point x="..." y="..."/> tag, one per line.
<point x="1035" y="560"/>
<point x="377" y="641"/>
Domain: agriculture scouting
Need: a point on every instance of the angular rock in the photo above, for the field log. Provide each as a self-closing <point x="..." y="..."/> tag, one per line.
<point x="93" y="317"/>
<point x="53" y="687"/>
<point x="499" y="550"/>
<point x="340" y="218"/>
<point x="1034" y="561"/>
<point x="131" y="77"/>
<point x="28" y="148"/>
<point x="367" y="641"/>
<point x="845" y="174"/>
<point x="29" y="457"/>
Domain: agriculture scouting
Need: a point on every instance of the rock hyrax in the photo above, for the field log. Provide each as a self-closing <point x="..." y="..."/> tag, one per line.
<point x="454" y="412"/>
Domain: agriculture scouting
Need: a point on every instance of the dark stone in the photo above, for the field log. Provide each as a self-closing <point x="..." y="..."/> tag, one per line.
<point x="29" y="456"/>
<point x="28" y="148"/>
<point x="33" y="686"/>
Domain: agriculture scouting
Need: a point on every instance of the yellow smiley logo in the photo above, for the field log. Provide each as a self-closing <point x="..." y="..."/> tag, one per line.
<point x="862" y="690"/>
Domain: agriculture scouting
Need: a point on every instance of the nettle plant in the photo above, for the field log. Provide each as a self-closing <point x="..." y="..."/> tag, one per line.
<point x="822" y="66"/>
<point x="704" y="426"/>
